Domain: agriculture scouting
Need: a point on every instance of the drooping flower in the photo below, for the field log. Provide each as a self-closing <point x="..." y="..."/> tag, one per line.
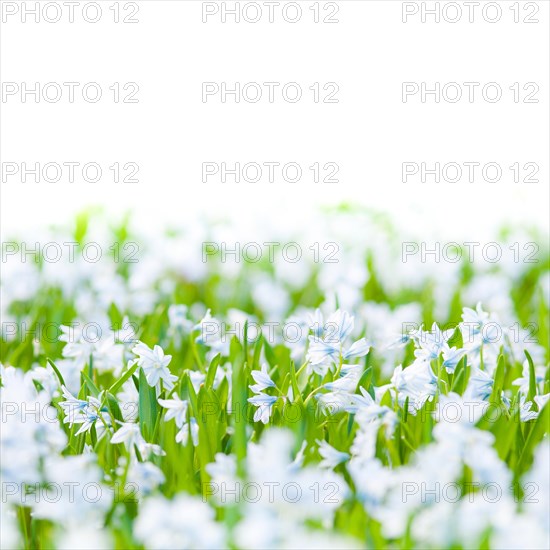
<point x="480" y="385"/>
<point x="262" y="379"/>
<point x="346" y="383"/>
<point x="451" y="358"/>
<point x="265" y="404"/>
<point x="525" y="412"/>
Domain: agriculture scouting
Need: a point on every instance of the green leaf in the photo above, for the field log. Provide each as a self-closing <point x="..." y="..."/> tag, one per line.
<point x="245" y="339"/>
<point x="207" y="418"/>
<point x="90" y="383"/>
<point x="115" y="317"/>
<point x="269" y="354"/>
<point x="114" y="407"/>
<point x="498" y="382"/>
<point x="147" y="406"/>
<point x="257" y="353"/>
<point x="238" y="406"/>
<point x="120" y="382"/>
<point x="532" y="377"/>
<point x="56" y="370"/>
<point x="540" y="428"/>
<point x="294" y="383"/>
<point x="456" y="339"/>
<point x="211" y="374"/>
<point x="366" y="381"/>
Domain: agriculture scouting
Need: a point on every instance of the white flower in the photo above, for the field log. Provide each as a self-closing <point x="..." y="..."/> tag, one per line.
<point x="177" y="409"/>
<point x="523" y="381"/>
<point x="315" y="321"/>
<point x="346" y="383"/>
<point x="189" y="427"/>
<point x="77" y="536"/>
<point x="453" y="408"/>
<point x="146" y="476"/>
<point x="321" y="352"/>
<point x="417" y="382"/>
<point x="262" y="379"/>
<point x="451" y="357"/>
<point x="475" y="318"/>
<point x="341" y="324"/>
<point x="331" y="456"/>
<point x="357" y="349"/>
<point x="70" y="474"/>
<point x="184" y="522"/>
<point x="431" y="343"/>
<point x="82" y="412"/>
<point x="155" y="365"/>
<point x="29" y="429"/>
<point x="334" y="402"/>
<point x="329" y="348"/>
<point x="130" y="435"/>
<point x="211" y="334"/>
<point x="541" y="400"/>
<point x="71" y="406"/>
<point x="197" y="378"/>
<point x="525" y="412"/>
<point x="368" y="411"/>
<point x="265" y="404"/>
<point x="84" y="344"/>
<point x="126" y="333"/>
<point x="79" y="346"/>
<point x="361" y="401"/>
<point x="177" y="315"/>
<point x="480" y="385"/>
<point x="271" y="461"/>
<point x="46" y="377"/>
<point x="223" y="469"/>
<point x="128" y="400"/>
<point x="298" y="461"/>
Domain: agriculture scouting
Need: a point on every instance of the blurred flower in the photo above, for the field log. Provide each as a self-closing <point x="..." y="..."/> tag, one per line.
<point x="523" y="381"/>
<point x="130" y="435"/>
<point x="189" y="427"/>
<point x="331" y="457"/>
<point x="184" y="522"/>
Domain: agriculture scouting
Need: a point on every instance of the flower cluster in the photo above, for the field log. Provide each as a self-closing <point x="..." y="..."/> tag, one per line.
<point x="389" y="416"/>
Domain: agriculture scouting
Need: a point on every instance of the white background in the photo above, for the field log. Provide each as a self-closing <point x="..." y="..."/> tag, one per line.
<point x="369" y="53"/>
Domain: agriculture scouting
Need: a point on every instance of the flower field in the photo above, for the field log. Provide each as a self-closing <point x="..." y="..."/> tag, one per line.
<point x="346" y="388"/>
